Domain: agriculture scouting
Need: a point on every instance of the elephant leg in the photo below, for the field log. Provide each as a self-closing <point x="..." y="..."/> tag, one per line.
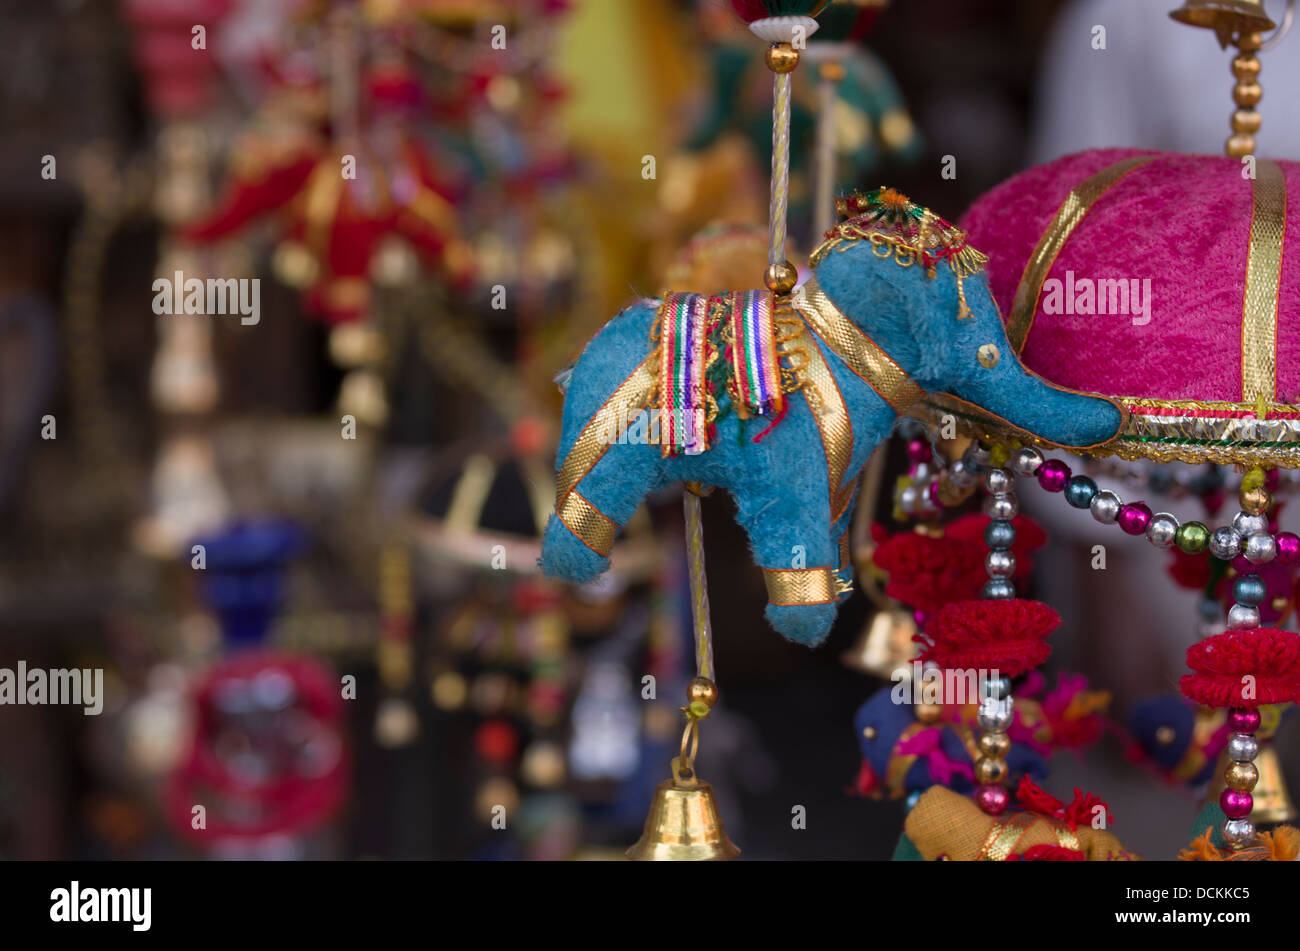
<point x="791" y="540"/>
<point x="580" y="534"/>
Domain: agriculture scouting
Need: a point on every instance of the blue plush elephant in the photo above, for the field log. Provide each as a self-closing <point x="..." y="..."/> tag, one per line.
<point x="898" y="307"/>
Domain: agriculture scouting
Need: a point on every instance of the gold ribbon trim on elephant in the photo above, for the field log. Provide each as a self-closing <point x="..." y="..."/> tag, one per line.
<point x="859" y="352"/>
<point x="833" y="422"/>
<point x="579" y="515"/>
<point x="1068" y="217"/>
<point x="798" y="586"/>
<point x="593" y="528"/>
<point x="1263" y="277"/>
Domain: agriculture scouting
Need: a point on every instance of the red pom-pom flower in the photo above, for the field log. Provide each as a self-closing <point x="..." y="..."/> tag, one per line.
<point x="1244" y="668"/>
<point x="926" y="573"/>
<point x="1007" y="636"/>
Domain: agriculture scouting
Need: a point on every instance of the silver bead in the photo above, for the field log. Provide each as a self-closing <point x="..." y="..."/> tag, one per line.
<point x="998" y="589"/>
<point x="1025" y="462"/>
<point x="1245" y="524"/>
<point x="908" y="498"/>
<point x="1238" y="830"/>
<point x="1225" y="544"/>
<point x="997" y="481"/>
<point x="1003" y="507"/>
<point x="1259" y="549"/>
<point x="921" y="472"/>
<point x="995" y="715"/>
<point x="1241" y="617"/>
<point x="1000" y="564"/>
<point x="976" y="455"/>
<point x="961" y="474"/>
<point x="1242" y="747"/>
<point x="1105" y="506"/>
<point x="995" y="688"/>
<point x="1162" y="530"/>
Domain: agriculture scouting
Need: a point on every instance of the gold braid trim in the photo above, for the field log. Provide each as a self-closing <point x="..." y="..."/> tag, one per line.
<point x="798" y="586"/>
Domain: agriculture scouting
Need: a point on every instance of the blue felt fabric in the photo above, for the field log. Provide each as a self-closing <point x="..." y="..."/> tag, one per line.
<point x="780" y="484"/>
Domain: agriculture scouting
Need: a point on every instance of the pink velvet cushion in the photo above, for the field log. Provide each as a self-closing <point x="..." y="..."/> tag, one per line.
<point x="1183" y="222"/>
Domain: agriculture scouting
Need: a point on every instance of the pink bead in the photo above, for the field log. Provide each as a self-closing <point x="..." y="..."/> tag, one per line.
<point x="1272" y="479"/>
<point x="1134" y="518"/>
<point x="934" y="495"/>
<point x="1288" y="547"/>
<point x="1243" y="720"/>
<point x="920" y="617"/>
<point x="993" y="799"/>
<point x="918" y="450"/>
<point x="1236" y="804"/>
<point x="1053" y="475"/>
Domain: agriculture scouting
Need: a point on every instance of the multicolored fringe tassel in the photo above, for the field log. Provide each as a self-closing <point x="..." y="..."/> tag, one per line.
<point x="683" y="339"/>
<point x="753" y="351"/>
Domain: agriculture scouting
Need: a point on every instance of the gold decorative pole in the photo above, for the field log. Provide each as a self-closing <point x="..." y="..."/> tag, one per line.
<point x="1239" y="23"/>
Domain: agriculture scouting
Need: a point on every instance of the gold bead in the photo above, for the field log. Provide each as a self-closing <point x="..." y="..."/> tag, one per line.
<point x="1245" y="120"/>
<point x="1245" y="66"/>
<point x="1165" y="735"/>
<point x="781" y="58"/>
<point x="869" y="732"/>
<point x="995" y="745"/>
<point x="1241" y="776"/>
<point x="781" y="278"/>
<point x="988" y="356"/>
<point x="702" y="690"/>
<point x="1250" y="42"/>
<point x="988" y="770"/>
<point x="928" y="712"/>
<point x="1241" y="145"/>
<point x="1256" y="501"/>
<point x="1247" y="94"/>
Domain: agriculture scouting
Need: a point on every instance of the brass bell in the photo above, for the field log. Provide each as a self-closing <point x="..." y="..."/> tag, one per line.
<point x="884" y="646"/>
<point x="1225" y="17"/>
<point x="1272" y="799"/>
<point x="683" y="826"/>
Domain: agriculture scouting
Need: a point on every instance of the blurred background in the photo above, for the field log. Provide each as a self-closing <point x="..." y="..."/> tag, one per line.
<point x="302" y="548"/>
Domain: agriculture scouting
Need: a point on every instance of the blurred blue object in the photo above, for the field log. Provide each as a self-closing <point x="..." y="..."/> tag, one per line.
<point x="243" y="576"/>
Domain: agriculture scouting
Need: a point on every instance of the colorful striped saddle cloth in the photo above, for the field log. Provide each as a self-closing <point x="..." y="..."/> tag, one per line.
<point x="707" y="343"/>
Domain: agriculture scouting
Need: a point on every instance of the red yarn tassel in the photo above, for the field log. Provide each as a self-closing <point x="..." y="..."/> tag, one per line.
<point x="1039" y="801"/>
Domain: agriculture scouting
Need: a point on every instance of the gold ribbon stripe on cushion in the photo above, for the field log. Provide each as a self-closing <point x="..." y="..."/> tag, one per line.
<point x="1263" y="276"/>
<point x="800" y="586"/>
<point x="859" y="352"/>
<point x="1073" y="210"/>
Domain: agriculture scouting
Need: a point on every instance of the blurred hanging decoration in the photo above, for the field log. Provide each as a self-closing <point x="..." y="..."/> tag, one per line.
<point x="343" y="190"/>
<point x="267" y="765"/>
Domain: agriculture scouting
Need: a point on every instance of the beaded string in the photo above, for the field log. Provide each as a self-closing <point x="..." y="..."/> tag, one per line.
<point x="997" y="709"/>
<point x="1246" y="537"/>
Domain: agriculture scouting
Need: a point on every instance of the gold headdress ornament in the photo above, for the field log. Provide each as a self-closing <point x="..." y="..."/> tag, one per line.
<point x="899" y="228"/>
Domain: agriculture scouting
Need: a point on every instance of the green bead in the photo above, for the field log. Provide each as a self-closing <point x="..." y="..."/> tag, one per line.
<point x="1192" y="538"/>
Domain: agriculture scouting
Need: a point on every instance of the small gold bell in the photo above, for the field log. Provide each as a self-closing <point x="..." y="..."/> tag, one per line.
<point x="683" y="826"/>
<point x="1272" y="799"/>
<point x="1225" y="17"/>
<point x="884" y="646"/>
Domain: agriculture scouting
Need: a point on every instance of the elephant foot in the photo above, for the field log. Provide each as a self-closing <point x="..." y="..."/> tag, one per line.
<point x="566" y="557"/>
<point x="806" y="624"/>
